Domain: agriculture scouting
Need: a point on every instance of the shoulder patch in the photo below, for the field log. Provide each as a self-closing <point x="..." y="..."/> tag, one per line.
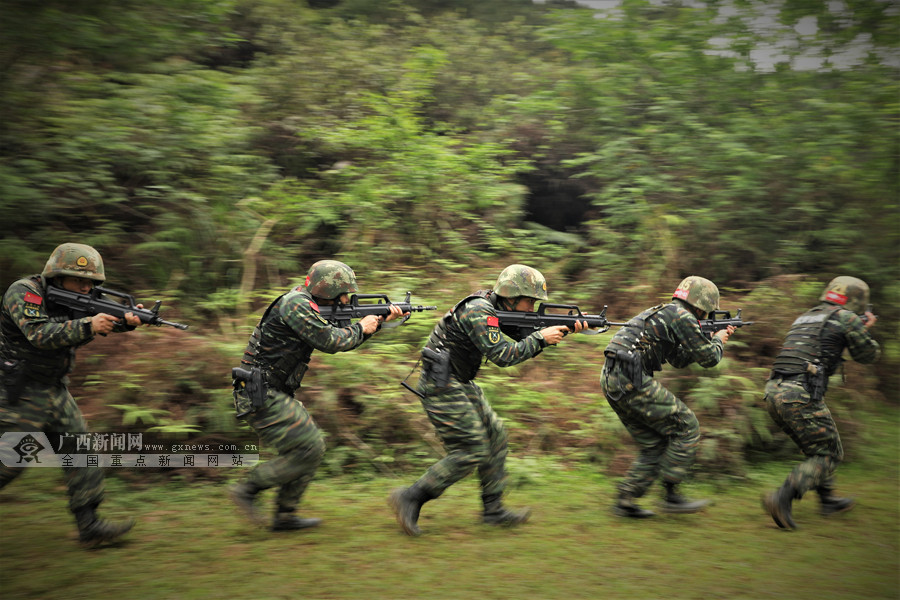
<point x="314" y="306"/>
<point x="32" y="298"/>
<point x="493" y="329"/>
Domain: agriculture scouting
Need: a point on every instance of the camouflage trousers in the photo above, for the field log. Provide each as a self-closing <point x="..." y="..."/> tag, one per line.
<point x="665" y="429"/>
<point x="473" y="436"/>
<point x="48" y="407"/>
<point x="284" y="424"/>
<point x="810" y="425"/>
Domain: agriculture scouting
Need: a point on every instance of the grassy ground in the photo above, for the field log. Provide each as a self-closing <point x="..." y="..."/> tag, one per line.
<point x="189" y="543"/>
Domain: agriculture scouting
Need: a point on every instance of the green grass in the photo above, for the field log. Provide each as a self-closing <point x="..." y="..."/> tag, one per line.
<point x="190" y="543"/>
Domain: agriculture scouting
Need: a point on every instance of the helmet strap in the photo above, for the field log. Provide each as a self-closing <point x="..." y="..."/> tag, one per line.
<point x="508" y="303"/>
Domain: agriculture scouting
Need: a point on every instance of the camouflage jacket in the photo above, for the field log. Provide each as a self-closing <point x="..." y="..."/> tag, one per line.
<point x="471" y="330"/>
<point x="43" y="337"/>
<point x="287" y="334"/>
<point x="667" y="333"/>
<point x="820" y="336"/>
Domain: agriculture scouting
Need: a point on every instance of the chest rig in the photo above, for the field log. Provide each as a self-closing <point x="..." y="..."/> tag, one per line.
<point x="48" y="364"/>
<point x="646" y="348"/>
<point x="448" y="336"/>
<point x="275" y="348"/>
<point x="811" y="341"/>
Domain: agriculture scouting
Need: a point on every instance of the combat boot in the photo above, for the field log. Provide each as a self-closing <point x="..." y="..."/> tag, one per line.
<point x="286" y="520"/>
<point x="243" y="495"/>
<point x="496" y="514"/>
<point x="778" y="505"/>
<point x="832" y="504"/>
<point x="625" y="507"/>
<point x="93" y="531"/>
<point x="675" y="503"/>
<point x="407" y="502"/>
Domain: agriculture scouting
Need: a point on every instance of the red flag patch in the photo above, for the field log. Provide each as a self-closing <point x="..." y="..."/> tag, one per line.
<point x="680" y="293"/>
<point x="307" y="281"/>
<point x="837" y="298"/>
<point x="493" y="322"/>
<point x="314" y="306"/>
<point x="32" y="298"/>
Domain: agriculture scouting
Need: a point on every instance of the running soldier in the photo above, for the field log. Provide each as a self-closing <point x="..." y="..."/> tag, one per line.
<point x="278" y="356"/>
<point x="37" y="352"/>
<point x="472" y="433"/>
<point x="666" y="430"/>
<point x="795" y="392"/>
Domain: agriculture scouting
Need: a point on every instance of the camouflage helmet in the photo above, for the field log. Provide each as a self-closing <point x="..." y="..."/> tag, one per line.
<point x="849" y="292"/>
<point x="519" y="280"/>
<point x="698" y="292"/>
<point x="329" y="279"/>
<point x="75" y="260"/>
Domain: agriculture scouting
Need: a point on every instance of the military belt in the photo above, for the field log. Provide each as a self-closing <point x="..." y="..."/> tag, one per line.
<point x="788" y="376"/>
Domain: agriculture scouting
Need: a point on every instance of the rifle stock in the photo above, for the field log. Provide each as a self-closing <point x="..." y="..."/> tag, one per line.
<point x="88" y="305"/>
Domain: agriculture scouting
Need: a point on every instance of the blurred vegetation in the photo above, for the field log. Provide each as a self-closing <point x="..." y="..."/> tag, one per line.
<point x="190" y="543"/>
<point x="213" y="150"/>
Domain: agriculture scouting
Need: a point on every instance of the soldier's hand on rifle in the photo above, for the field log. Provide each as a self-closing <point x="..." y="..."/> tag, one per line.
<point x="102" y="323"/>
<point x="554" y="335"/>
<point x="371" y="323"/>
<point x="724" y="334"/>
<point x="131" y="319"/>
<point x="580" y="326"/>
<point x="396" y="313"/>
<point x="870" y="319"/>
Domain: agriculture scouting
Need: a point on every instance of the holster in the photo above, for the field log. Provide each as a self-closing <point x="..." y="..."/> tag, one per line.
<point x="816" y="381"/>
<point x="629" y="363"/>
<point x="436" y="366"/>
<point x="250" y="390"/>
<point x="12" y="378"/>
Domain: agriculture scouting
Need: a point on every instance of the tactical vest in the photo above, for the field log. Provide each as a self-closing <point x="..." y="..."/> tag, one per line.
<point x="277" y="351"/>
<point x="810" y="341"/>
<point x="465" y="357"/>
<point x="46" y="364"/>
<point x="653" y="345"/>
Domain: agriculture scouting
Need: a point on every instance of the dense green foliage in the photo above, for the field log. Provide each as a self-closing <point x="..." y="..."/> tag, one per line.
<point x="212" y="150"/>
<point x="399" y="132"/>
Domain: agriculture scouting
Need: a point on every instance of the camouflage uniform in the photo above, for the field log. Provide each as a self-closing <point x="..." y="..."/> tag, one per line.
<point x="37" y="346"/>
<point x="662" y="425"/>
<point x="471" y="432"/>
<point x="281" y="346"/>
<point x="795" y="399"/>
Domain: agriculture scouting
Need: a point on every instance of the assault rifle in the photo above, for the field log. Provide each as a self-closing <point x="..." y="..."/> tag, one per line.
<point x="524" y="323"/>
<point x="713" y="324"/>
<point x="341" y="315"/>
<point x="90" y="304"/>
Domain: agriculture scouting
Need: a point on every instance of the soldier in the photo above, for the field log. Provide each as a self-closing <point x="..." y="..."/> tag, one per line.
<point x="795" y="392"/>
<point x="471" y="432"/>
<point x="37" y="347"/>
<point x="662" y="425"/>
<point x="280" y="348"/>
